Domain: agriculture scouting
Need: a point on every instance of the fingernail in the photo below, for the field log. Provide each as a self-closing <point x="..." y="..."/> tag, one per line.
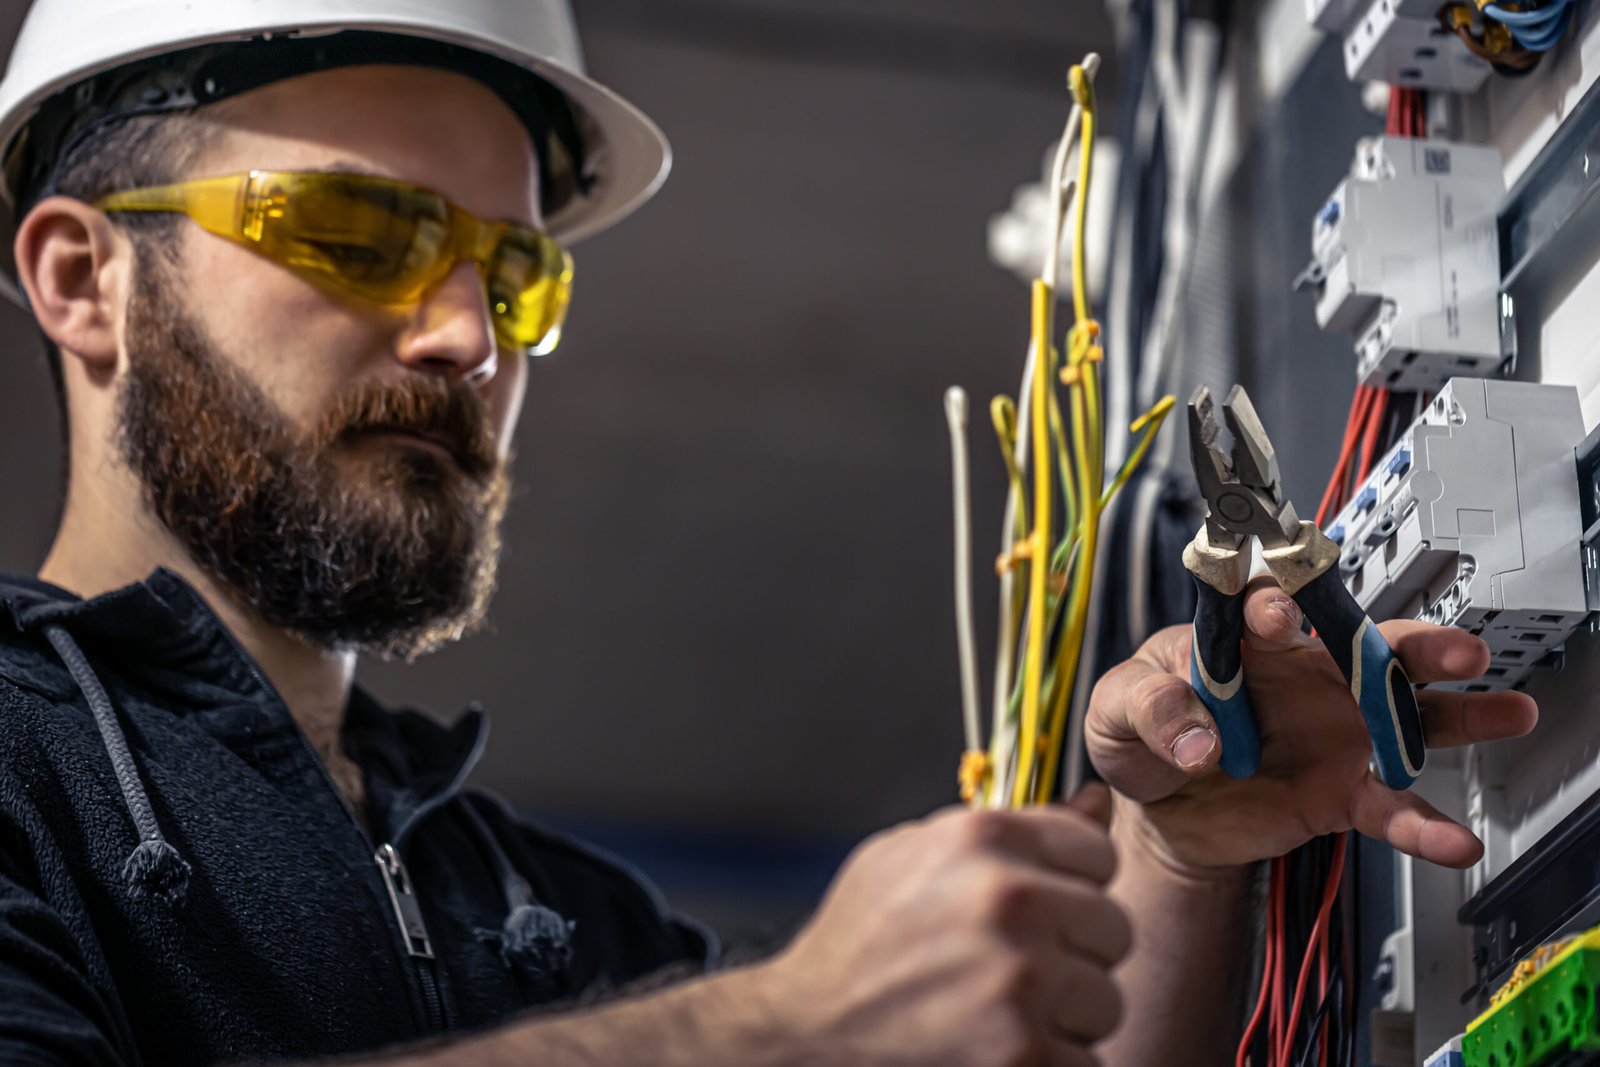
<point x="1286" y="607"/>
<point x="1193" y="746"/>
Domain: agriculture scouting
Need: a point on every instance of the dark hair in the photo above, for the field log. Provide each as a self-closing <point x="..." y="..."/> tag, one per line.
<point x="128" y="153"/>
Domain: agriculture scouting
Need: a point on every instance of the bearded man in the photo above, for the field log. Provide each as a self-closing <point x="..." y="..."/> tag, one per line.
<point x="291" y="258"/>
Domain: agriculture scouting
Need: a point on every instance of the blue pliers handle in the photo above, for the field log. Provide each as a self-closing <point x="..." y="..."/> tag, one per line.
<point x="1216" y="662"/>
<point x="1243" y="502"/>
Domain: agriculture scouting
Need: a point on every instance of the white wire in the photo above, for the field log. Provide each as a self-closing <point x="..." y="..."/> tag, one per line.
<point x="955" y="414"/>
<point x="1004" y="732"/>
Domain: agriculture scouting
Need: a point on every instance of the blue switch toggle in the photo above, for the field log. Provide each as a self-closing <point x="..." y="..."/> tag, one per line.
<point x="1367" y="500"/>
<point x="1400" y="462"/>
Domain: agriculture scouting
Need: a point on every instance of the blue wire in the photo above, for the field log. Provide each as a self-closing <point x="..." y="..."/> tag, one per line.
<point x="1527" y="18"/>
<point x="1536" y="31"/>
<point x="1543" y="41"/>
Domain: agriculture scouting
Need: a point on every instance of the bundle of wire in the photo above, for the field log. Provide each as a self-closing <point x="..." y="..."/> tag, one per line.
<point x="1306" y="917"/>
<point x="1535" y="27"/>
<point x="1511" y="36"/>
<point x="1047" y="562"/>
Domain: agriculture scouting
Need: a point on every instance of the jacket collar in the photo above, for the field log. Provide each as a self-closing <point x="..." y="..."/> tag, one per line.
<point x="162" y="632"/>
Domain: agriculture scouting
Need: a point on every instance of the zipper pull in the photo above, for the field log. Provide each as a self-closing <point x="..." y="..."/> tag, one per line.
<point x="406" y="910"/>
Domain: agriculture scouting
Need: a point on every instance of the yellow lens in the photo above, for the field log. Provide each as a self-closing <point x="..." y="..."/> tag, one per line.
<point x="529" y="279"/>
<point x="381" y="239"/>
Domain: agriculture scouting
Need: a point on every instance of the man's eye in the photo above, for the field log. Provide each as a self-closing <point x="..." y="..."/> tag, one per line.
<point x="349" y="255"/>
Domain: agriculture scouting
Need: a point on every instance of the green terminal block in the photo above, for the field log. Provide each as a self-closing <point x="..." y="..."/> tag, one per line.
<point x="1545" y="1012"/>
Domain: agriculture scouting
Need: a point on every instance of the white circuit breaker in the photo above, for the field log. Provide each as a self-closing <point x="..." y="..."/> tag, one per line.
<point x="1399" y="42"/>
<point x="1473" y="520"/>
<point x="1388" y="42"/>
<point x="1405" y="256"/>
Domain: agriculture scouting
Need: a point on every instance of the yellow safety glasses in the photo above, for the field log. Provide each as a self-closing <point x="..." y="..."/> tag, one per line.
<point x="380" y="239"/>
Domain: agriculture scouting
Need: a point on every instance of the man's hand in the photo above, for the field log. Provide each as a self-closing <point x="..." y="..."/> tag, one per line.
<point x="970" y="938"/>
<point x="1151" y="739"/>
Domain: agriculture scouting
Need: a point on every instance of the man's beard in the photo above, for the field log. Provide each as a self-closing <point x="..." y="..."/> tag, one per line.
<point x="351" y="542"/>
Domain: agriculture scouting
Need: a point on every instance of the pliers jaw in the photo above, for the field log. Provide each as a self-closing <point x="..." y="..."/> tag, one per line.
<point x="1243" y="494"/>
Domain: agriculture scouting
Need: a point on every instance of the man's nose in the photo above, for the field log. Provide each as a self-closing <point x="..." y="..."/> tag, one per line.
<point x="451" y="331"/>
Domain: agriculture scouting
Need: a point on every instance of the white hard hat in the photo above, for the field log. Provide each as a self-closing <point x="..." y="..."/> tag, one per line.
<point x="71" y="57"/>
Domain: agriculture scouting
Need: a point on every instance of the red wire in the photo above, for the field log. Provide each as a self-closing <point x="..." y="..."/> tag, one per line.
<point x="1331" y="496"/>
<point x="1375" y="413"/>
<point x="1322" y="988"/>
<point x="1280" y="875"/>
<point x="1271" y="962"/>
<point x="1319" y="933"/>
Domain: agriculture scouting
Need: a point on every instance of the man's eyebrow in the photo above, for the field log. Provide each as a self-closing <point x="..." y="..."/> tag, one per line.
<point x="343" y="166"/>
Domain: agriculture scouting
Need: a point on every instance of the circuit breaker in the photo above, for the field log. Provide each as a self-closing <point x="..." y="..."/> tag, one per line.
<point x="1473" y="520"/>
<point x="1399" y="42"/>
<point x="1405" y="256"/>
<point x="1402" y="43"/>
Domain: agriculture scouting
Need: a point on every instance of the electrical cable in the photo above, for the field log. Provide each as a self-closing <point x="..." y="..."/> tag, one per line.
<point x="1536" y="29"/>
<point x="1305" y="965"/>
<point x="974" y="767"/>
<point x="1056" y="454"/>
<point x="1268" y="973"/>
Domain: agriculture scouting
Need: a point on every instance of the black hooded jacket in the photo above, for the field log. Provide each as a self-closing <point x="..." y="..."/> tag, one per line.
<point x="181" y="883"/>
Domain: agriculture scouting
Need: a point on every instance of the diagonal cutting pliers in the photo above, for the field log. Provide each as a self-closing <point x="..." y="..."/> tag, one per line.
<point x="1243" y="501"/>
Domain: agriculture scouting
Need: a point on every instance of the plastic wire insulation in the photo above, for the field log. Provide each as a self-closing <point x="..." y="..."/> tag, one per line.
<point x="1006" y="639"/>
<point x="1088" y="430"/>
<point x="955" y="409"/>
<point x="1332" y="495"/>
<point x="1317" y="931"/>
<point x="1038" y="545"/>
<point x="1538" y="30"/>
<point x="1269" y="962"/>
<point x="1068" y="658"/>
<point x="1374" y="420"/>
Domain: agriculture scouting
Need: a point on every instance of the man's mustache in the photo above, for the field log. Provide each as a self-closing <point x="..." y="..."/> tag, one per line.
<point x="448" y="413"/>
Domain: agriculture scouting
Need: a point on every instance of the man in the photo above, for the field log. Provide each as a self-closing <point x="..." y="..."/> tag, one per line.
<point x="290" y="284"/>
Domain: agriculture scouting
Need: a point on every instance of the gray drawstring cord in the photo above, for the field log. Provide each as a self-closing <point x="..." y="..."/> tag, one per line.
<point x="154" y="869"/>
<point x="534" y="938"/>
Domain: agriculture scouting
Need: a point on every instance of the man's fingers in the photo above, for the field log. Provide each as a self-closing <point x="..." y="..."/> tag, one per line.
<point x="1148" y="733"/>
<point x="1412" y="825"/>
<point x="1052" y="836"/>
<point x="1451" y="719"/>
<point x="1436" y="653"/>
<point x="1081" y="1002"/>
<point x="1272" y="619"/>
<point x="1093" y="800"/>
<point x="1098" y="928"/>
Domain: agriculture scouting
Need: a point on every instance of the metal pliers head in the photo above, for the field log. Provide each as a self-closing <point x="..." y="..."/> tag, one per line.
<point x="1243" y="494"/>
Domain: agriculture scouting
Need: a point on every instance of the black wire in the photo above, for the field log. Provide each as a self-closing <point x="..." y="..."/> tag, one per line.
<point x="1399" y="415"/>
<point x="1323" y="1014"/>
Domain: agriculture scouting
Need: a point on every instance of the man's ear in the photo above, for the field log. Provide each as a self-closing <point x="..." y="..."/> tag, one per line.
<point x="73" y="265"/>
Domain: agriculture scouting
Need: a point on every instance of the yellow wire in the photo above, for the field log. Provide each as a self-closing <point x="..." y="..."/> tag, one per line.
<point x="1040" y="700"/>
<point x="1003" y="413"/>
<point x="1038" y="544"/>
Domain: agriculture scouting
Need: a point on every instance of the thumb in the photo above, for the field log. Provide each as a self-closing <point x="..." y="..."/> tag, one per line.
<point x="1093" y="800"/>
<point x="1272" y="619"/>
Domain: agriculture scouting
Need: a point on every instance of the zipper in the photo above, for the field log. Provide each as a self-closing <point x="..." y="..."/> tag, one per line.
<point x="408" y="914"/>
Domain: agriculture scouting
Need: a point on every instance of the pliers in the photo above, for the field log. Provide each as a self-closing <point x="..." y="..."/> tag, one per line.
<point x="1244" y="500"/>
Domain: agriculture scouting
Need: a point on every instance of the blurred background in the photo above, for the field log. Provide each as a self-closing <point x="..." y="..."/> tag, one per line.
<point x="723" y="644"/>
